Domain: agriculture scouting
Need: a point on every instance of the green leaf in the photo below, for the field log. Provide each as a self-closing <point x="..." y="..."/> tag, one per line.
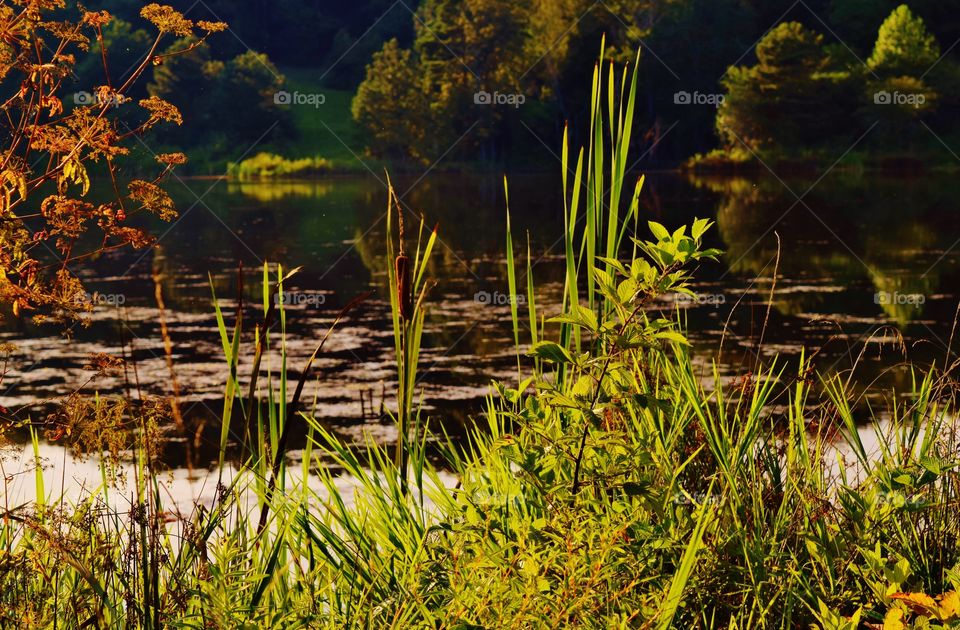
<point x="627" y="290"/>
<point x="583" y="387"/>
<point x="636" y="489"/>
<point x="659" y="231"/>
<point x="614" y="263"/>
<point x="700" y="227"/>
<point x="932" y="464"/>
<point x="675" y="337"/>
<point x="551" y="352"/>
<point x="579" y="316"/>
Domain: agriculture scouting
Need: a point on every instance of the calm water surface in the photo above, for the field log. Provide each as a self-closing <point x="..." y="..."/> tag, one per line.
<point x="866" y="259"/>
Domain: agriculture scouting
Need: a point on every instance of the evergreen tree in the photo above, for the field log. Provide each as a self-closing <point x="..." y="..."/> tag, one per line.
<point x="904" y="46"/>
<point x="461" y="49"/>
<point x="900" y="91"/>
<point x="390" y="104"/>
<point x="790" y="99"/>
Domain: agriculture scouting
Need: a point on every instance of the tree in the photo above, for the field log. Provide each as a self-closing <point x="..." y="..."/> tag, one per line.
<point x="627" y="23"/>
<point x="790" y="99"/>
<point x="248" y="84"/>
<point x="362" y="30"/>
<point x="899" y="92"/>
<point x="126" y="47"/>
<point x="461" y="48"/>
<point x="856" y="21"/>
<point x="390" y="103"/>
<point x="206" y="89"/>
<point x="904" y="46"/>
<point x="187" y="81"/>
<point x="465" y="47"/>
<point x="693" y="58"/>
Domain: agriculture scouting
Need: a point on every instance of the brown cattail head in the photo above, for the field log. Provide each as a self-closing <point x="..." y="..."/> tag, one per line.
<point x="404" y="288"/>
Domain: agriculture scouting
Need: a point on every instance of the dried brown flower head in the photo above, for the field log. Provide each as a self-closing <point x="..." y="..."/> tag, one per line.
<point x="153" y="199"/>
<point x="212" y="27"/>
<point x="103" y="364"/>
<point x="166" y="19"/>
<point x="96" y="18"/>
<point x="172" y="159"/>
<point x="162" y="110"/>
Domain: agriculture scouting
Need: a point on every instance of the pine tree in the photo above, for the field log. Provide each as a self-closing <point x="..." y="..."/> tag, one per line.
<point x="904" y="46"/>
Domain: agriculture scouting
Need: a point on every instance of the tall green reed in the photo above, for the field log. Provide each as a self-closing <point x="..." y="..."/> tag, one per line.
<point x="408" y="290"/>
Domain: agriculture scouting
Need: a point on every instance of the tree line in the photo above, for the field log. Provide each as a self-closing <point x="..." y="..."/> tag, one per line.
<point x="496" y="80"/>
<point x="754" y="78"/>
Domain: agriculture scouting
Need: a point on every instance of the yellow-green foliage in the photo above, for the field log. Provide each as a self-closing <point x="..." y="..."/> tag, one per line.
<point x="272" y="166"/>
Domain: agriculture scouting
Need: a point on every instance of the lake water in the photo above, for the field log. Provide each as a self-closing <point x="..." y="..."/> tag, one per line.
<point x="865" y="260"/>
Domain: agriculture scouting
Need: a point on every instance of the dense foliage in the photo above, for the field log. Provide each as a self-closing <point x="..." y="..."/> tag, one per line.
<point x="54" y="139"/>
<point x="804" y="95"/>
<point x="793" y="86"/>
<point x="416" y="68"/>
<point x="617" y="482"/>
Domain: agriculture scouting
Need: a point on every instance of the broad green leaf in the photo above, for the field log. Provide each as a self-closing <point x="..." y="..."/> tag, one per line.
<point x="675" y="337"/>
<point x="659" y="231"/>
<point x="551" y="352"/>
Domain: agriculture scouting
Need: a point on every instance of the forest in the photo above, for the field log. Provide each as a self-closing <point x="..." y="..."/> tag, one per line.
<point x="412" y="71"/>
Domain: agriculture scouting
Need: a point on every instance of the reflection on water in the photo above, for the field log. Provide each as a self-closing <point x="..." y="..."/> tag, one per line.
<point x="73" y="480"/>
<point x="857" y="252"/>
<point x="848" y="230"/>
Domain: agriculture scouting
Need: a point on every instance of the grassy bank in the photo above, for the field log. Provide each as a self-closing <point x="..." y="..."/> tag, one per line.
<point x="325" y="139"/>
<point x="612" y="485"/>
<point x="743" y="161"/>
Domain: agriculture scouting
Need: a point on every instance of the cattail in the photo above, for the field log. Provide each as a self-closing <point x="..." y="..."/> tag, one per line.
<point x="404" y="290"/>
<point x="402" y="268"/>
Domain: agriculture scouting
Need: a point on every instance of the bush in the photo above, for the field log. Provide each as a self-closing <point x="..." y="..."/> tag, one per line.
<point x="272" y="166"/>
